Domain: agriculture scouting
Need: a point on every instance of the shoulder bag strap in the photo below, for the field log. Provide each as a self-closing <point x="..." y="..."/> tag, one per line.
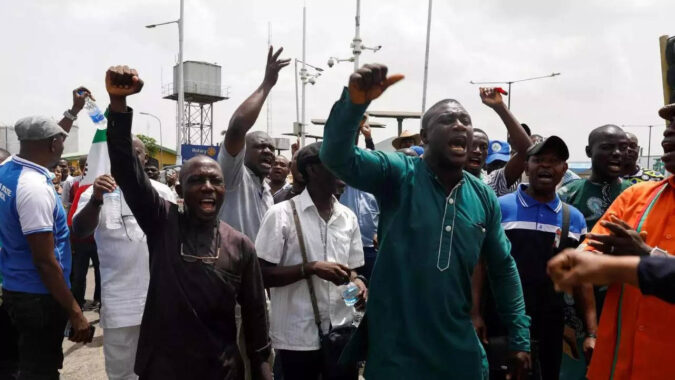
<point x="565" y="230"/>
<point x="310" y="284"/>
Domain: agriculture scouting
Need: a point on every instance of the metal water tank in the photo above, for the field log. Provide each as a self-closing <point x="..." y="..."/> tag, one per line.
<point x="202" y="81"/>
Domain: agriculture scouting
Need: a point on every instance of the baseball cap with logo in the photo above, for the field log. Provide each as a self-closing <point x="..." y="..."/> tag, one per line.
<point x="35" y="128"/>
<point x="498" y="151"/>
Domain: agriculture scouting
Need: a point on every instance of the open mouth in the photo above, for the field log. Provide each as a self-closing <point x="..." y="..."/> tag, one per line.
<point x="545" y="176"/>
<point x="207" y="205"/>
<point x="614" y="165"/>
<point x="458" y="145"/>
<point x="474" y="162"/>
<point x="668" y="151"/>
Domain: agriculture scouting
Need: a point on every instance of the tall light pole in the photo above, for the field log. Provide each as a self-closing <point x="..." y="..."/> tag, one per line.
<point x="356" y="45"/>
<point x="305" y="77"/>
<point x="426" y="61"/>
<point x="515" y="81"/>
<point x="181" y="94"/>
<point x="161" y="141"/>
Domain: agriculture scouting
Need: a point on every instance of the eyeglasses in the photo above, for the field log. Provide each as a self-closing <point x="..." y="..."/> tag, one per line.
<point x="210" y="260"/>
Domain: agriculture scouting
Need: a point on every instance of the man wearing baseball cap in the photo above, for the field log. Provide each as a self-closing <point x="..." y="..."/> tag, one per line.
<point x="539" y="225"/>
<point x="35" y="259"/>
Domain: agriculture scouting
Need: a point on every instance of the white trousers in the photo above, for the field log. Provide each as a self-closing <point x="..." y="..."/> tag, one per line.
<point x="119" y="349"/>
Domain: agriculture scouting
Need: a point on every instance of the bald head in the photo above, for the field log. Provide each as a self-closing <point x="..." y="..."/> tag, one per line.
<point x="139" y="150"/>
<point x="631" y="137"/>
<point x="602" y="132"/>
<point x="195" y="163"/>
<point x="439" y="108"/>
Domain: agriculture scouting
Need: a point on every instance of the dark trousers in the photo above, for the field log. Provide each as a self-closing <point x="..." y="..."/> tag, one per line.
<point x="547" y="331"/>
<point x="9" y="346"/>
<point x="82" y="253"/>
<point x="307" y="365"/>
<point x="40" y="322"/>
<point x="369" y="256"/>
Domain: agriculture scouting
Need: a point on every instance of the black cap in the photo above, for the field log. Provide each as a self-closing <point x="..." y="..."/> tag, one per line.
<point x="553" y="142"/>
<point x="308" y="155"/>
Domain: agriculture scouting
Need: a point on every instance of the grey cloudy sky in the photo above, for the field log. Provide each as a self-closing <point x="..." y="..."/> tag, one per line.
<point x="607" y="52"/>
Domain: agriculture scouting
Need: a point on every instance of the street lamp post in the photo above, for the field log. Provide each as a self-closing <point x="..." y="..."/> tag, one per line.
<point x="356" y="45"/>
<point x="161" y="141"/>
<point x="509" y="83"/>
<point x="181" y="92"/>
<point x="305" y="77"/>
<point x="426" y="61"/>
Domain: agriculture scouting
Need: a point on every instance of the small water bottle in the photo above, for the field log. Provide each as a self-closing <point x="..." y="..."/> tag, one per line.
<point x="113" y="206"/>
<point x="95" y="113"/>
<point x="350" y="294"/>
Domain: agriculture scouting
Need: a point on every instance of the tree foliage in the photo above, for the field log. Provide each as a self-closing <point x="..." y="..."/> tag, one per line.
<point x="150" y="144"/>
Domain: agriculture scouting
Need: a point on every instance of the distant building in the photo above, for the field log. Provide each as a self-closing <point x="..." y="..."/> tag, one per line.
<point x="9" y="141"/>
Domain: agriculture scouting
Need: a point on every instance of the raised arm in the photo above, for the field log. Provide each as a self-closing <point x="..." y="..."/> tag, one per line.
<point x="360" y="168"/>
<point x="247" y="113"/>
<point x="79" y="95"/>
<point x="146" y="205"/>
<point x="520" y="140"/>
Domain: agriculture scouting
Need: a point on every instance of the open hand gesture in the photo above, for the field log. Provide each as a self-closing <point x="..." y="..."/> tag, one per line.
<point x="122" y="81"/>
<point x="491" y="97"/>
<point x="369" y="82"/>
<point x="622" y="240"/>
<point x="274" y="65"/>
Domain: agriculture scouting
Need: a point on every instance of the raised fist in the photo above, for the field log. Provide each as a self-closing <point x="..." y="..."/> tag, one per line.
<point x="369" y="82"/>
<point x="122" y="81"/>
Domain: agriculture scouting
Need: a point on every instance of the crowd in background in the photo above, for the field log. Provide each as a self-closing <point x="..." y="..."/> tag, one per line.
<point x="459" y="255"/>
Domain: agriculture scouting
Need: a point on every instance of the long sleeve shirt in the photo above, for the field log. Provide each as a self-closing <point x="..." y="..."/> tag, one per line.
<point x="635" y="334"/>
<point x="420" y="292"/>
<point x="657" y="277"/>
<point x="188" y="329"/>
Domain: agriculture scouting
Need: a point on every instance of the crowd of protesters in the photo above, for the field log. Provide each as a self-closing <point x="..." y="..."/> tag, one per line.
<point x="456" y="256"/>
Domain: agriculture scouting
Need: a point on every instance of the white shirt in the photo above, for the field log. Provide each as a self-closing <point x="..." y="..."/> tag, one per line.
<point x="292" y="324"/>
<point x="124" y="262"/>
<point x="65" y="190"/>
<point x="247" y="199"/>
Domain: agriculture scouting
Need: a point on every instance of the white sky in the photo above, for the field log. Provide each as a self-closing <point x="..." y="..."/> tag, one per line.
<point x="607" y="52"/>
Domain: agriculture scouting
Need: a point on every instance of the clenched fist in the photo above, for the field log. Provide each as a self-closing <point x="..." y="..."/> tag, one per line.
<point x="122" y="81"/>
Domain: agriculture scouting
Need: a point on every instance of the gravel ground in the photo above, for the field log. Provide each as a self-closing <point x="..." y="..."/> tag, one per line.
<point x="85" y="362"/>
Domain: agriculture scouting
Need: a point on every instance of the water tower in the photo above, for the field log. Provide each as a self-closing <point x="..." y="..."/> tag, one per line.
<point x="202" y="88"/>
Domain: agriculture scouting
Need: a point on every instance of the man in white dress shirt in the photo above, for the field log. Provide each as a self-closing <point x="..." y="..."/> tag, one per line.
<point x="334" y="249"/>
<point x="124" y="264"/>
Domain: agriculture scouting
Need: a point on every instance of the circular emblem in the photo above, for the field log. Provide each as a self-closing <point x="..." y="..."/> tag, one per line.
<point x="211" y="152"/>
<point x="496" y="147"/>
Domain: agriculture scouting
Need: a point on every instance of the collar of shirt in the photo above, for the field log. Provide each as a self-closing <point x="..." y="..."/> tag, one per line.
<point x="304" y="201"/>
<point x="30" y="164"/>
<point x="527" y="201"/>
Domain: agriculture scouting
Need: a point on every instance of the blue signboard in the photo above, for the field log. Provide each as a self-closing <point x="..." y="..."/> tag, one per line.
<point x="189" y="151"/>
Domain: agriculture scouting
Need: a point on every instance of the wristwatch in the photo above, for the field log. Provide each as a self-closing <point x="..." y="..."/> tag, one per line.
<point x="69" y="115"/>
<point x="656" y="251"/>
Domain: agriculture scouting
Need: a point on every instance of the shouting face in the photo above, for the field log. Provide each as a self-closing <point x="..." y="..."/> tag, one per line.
<point x="259" y="153"/>
<point x="203" y="188"/>
<point x="447" y="131"/>
<point x="479" y="152"/>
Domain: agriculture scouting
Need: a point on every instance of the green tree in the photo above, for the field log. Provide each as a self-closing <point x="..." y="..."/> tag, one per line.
<point x="150" y="144"/>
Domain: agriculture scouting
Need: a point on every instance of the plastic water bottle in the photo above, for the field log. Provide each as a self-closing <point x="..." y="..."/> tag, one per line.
<point x="350" y="294"/>
<point x="95" y="113"/>
<point x="113" y="206"/>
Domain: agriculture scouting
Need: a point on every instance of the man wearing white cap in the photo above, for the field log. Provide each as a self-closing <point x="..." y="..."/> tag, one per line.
<point x="35" y="258"/>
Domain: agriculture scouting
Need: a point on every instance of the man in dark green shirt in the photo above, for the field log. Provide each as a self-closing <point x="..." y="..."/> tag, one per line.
<point x="435" y="222"/>
<point x="607" y="148"/>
